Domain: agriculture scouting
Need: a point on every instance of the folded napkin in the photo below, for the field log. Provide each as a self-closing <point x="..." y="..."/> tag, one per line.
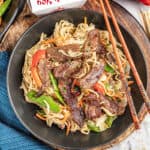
<point x="13" y="135"/>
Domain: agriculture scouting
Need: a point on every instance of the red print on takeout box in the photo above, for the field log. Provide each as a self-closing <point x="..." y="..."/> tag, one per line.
<point x="42" y="7"/>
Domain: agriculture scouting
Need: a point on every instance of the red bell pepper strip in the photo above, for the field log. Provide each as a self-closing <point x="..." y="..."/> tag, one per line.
<point x="37" y="56"/>
<point x="40" y="54"/>
<point x="99" y="88"/>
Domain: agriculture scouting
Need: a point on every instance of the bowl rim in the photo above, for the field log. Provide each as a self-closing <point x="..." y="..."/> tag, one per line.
<point x="130" y="126"/>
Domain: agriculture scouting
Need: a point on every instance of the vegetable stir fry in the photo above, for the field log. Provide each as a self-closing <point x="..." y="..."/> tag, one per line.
<point x="74" y="79"/>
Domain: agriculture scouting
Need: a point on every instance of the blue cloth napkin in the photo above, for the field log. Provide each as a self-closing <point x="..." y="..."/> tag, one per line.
<point x="13" y="136"/>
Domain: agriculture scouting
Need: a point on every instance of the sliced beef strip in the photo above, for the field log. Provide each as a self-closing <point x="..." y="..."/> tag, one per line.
<point x="92" y="112"/>
<point x="92" y="77"/>
<point x="70" y="47"/>
<point x="91" y="99"/>
<point x="43" y="72"/>
<point x="111" y="58"/>
<point x="92" y="107"/>
<point x="93" y="43"/>
<point x="54" y="53"/>
<point x="67" y="69"/>
<point x="78" y="115"/>
<point x="71" y="100"/>
<point x="114" y="107"/>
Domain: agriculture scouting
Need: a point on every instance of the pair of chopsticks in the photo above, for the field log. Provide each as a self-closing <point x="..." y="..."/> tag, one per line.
<point x="105" y="3"/>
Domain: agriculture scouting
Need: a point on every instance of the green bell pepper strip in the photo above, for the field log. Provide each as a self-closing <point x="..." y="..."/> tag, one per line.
<point x="92" y="126"/>
<point x="108" y="68"/>
<point x="56" y="89"/>
<point x="110" y="120"/>
<point x="4" y="7"/>
<point x="40" y="101"/>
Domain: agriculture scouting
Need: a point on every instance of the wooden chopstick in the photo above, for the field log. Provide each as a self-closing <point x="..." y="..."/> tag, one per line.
<point x="127" y="53"/>
<point x="121" y="70"/>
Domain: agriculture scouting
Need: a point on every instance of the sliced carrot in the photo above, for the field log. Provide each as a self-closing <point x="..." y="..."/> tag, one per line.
<point x="48" y="41"/>
<point x="75" y="82"/>
<point x="36" y="77"/>
<point x="40" y="117"/>
<point x="130" y="82"/>
<point x="68" y="129"/>
<point x="80" y="103"/>
<point x="65" y="118"/>
<point x="75" y="87"/>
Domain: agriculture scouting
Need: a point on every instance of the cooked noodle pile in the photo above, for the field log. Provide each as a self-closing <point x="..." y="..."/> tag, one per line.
<point x="74" y="79"/>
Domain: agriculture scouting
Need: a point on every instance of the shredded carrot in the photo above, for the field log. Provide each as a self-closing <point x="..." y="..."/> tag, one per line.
<point x="40" y="117"/>
<point x="68" y="128"/>
<point x="65" y="118"/>
<point x="130" y="82"/>
<point x="48" y="41"/>
<point x="80" y="103"/>
<point x="36" y="77"/>
<point x="102" y="41"/>
<point x="115" y="97"/>
<point x="75" y="82"/>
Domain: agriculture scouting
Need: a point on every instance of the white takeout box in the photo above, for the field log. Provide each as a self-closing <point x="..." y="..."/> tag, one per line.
<point x="42" y="7"/>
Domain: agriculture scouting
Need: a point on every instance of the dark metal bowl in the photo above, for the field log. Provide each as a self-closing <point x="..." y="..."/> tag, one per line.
<point x="9" y="17"/>
<point x="25" y="111"/>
